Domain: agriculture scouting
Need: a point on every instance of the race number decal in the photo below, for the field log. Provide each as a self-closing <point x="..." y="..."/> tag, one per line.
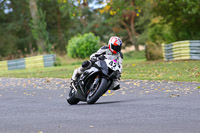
<point x="112" y="64"/>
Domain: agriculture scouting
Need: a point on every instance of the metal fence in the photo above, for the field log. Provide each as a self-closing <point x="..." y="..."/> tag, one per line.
<point x="29" y="62"/>
<point x="182" y="50"/>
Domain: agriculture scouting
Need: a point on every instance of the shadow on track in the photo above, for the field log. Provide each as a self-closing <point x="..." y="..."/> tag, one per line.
<point x="122" y="101"/>
<point x="103" y="103"/>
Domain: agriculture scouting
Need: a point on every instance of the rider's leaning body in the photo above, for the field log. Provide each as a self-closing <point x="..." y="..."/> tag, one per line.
<point x="112" y="51"/>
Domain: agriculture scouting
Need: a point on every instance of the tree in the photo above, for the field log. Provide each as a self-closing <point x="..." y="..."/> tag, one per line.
<point x="181" y="15"/>
<point x="80" y="14"/>
<point x="39" y="27"/>
<point x="20" y="36"/>
<point x="123" y="17"/>
<point x="58" y="23"/>
<point x="16" y="38"/>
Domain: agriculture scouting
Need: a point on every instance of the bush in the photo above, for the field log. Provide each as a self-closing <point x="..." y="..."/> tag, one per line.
<point x="153" y="51"/>
<point x="58" y="62"/>
<point x="83" y="46"/>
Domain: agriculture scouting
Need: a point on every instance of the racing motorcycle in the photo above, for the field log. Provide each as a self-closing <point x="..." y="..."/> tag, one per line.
<point x="95" y="81"/>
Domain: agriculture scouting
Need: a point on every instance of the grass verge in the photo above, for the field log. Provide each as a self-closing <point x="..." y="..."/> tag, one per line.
<point x="134" y="67"/>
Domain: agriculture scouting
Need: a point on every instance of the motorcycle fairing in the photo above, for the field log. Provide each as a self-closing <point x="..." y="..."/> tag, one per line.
<point x="101" y="64"/>
<point x="83" y="81"/>
<point x="82" y="91"/>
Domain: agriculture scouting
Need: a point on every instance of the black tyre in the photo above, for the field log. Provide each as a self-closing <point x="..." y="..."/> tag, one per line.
<point x="97" y="92"/>
<point x="71" y="98"/>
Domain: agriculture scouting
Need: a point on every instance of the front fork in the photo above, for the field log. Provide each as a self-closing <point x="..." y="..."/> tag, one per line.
<point x="94" y="85"/>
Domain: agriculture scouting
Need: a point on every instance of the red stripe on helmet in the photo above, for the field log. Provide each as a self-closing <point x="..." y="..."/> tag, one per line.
<point x="115" y="43"/>
<point x="113" y="51"/>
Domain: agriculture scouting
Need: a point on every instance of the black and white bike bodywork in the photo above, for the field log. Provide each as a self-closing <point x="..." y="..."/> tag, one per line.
<point x="94" y="82"/>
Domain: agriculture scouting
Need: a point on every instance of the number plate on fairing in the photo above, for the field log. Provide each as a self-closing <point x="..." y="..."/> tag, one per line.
<point x="113" y="64"/>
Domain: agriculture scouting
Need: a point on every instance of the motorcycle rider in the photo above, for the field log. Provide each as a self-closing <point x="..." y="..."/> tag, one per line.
<point x="114" y="49"/>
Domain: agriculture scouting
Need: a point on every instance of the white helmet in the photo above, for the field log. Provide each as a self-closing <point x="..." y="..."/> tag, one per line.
<point x="115" y="44"/>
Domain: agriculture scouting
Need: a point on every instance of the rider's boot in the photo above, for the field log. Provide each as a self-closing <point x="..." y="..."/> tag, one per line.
<point x="115" y="85"/>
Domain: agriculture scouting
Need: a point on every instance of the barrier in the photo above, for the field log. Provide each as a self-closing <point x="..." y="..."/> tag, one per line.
<point x="16" y="64"/>
<point x="182" y="50"/>
<point x="3" y="65"/>
<point x="29" y="62"/>
<point x="34" y="62"/>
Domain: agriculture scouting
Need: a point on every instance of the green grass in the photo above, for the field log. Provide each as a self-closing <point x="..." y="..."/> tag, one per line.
<point x="134" y="67"/>
<point x="159" y="70"/>
<point x="54" y="72"/>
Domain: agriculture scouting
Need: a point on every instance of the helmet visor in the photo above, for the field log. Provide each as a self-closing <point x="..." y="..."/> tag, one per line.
<point x="116" y="48"/>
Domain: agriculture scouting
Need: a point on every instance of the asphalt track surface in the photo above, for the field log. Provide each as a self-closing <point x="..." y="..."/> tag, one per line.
<point x="38" y="105"/>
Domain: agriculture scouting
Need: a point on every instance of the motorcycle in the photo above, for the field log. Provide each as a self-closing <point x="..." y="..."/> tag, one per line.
<point x="95" y="81"/>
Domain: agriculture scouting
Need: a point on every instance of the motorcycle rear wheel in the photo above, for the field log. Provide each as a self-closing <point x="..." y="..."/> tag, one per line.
<point x="92" y="97"/>
<point x="71" y="98"/>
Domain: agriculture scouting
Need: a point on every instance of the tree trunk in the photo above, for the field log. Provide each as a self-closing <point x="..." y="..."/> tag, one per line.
<point x="129" y="25"/>
<point x="35" y="18"/>
<point x="132" y="27"/>
<point x="131" y="34"/>
<point x="59" y="29"/>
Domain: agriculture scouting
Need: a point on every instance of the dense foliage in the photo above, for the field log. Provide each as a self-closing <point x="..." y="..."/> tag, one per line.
<point x="49" y="25"/>
<point x="82" y="46"/>
<point x="183" y="17"/>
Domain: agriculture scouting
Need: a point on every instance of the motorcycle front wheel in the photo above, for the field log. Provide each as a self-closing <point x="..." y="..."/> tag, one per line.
<point x="97" y="91"/>
<point x="71" y="98"/>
